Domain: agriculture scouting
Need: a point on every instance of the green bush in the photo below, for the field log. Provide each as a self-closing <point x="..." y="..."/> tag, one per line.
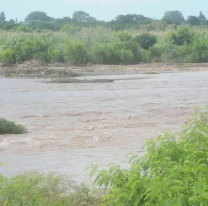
<point x="25" y="48"/>
<point x="22" y="28"/>
<point x="169" y="52"/>
<point x="56" y="54"/>
<point x="181" y="36"/>
<point x="42" y="57"/>
<point x="33" y="188"/>
<point x="86" y="196"/>
<point x="197" y="51"/>
<point x="146" y="40"/>
<point x="173" y="171"/>
<point x="155" y="54"/>
<point x="126" y="56"/>
<point x="75" y="52"/>
<point x="104" y="54"/>
<point x="8" y="127"/>
<point x="124" y="35"/>
<point x="127" y="52"/>
<point x="8" y="57"/>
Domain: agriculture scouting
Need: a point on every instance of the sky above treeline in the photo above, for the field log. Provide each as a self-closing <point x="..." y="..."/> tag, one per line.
<point x="102" y="9"/>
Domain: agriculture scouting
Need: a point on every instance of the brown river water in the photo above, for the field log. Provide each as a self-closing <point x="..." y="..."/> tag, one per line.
<point x="71" y="125"/>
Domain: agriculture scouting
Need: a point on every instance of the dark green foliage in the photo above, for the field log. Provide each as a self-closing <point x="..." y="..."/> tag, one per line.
<point x="82" y="16"/>
<point x="201" y="17"/>
<point x="8" y="127"/>
<point x="181" y="36"/>
<point x="26" y="47"/>
<point x="124" y="36"/>
<point x="127" y="52"/>
<point x="42" y="57"/>
<point x="2" y="18"/>
<point x="146" y="40"/>
<point x="173" y="171"/>
<point x="174" y="17"/>
<point x="197" y="51"/>
<point x="38" y="16"/>
<point x="193" y="20"/>
<point x="75" y="52"/>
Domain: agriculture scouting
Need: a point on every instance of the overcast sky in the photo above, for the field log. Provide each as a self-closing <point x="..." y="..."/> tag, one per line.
<point x="101" y="9"/>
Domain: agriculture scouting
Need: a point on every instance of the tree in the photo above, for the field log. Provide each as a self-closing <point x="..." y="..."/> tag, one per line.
<point x="82" y="16"/>
<point x="201" y="17"/>
<point x="146" y="40"/>
<point x="38" y="15"/>
<point x="174" y="17"/>
<point x="2" y="18"/>
<point x="11" y="21"/>
<point x="193" y="20"/>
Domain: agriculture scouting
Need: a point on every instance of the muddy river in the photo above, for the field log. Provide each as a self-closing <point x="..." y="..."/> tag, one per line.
<point x="71" y="125"/>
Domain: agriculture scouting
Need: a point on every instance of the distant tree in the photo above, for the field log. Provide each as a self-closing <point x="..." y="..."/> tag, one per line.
<point x="82" y="16"/>
<point x="201" y="17"/>
<point x="193" y="20"/>
<point x="175" y="17"/>
<point x="2" y="18"/>
<point x="38" y="16"/>
<point x="11" y="21"/>
<point x="131" y="18"/>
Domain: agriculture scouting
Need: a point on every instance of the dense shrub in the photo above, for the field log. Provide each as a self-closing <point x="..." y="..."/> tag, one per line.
<point x="146" y="40"/>
<point x="56" y="54"/>
<point x="126" y="52"/>
<point x="26" y="47"/>
<point x="75" y="52"/>
<point x="100" y="45"/>
<point x="181" y="36"/>
<point x="124" y="35"/>
<point x="197" y="51"/>
<point x="8" y="57"/>
<point x="37" y="189"/>
<point x="164" y="52"/>
<point x="172" y="172"/>
<point x="104" y="54"/>
<point x="8" y="127"/>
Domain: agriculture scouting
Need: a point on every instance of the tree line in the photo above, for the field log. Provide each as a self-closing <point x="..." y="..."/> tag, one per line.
<point x="39" y="20"/>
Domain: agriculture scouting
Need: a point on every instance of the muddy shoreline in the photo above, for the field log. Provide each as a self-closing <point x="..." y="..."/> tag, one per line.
<point x="36" y="70"/>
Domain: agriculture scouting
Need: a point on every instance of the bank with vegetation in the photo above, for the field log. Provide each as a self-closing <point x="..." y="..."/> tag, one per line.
<point x="81" y="40"/>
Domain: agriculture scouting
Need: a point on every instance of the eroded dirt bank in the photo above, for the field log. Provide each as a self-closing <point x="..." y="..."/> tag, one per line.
<point x="72" y="124"/>
<point x="34" y="69"/>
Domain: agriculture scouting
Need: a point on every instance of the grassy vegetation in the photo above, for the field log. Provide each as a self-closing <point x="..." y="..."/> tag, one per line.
<point x="101" y="45"/>
<point x="8" y="127"/>
<point x="39" y="189"/>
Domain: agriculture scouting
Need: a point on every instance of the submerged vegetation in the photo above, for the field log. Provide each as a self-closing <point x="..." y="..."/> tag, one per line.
<point x="173" y="171"/>
<point x="8" y="127"/>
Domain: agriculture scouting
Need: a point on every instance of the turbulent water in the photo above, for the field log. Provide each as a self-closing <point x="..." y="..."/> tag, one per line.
<point x="72" y="124"/>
